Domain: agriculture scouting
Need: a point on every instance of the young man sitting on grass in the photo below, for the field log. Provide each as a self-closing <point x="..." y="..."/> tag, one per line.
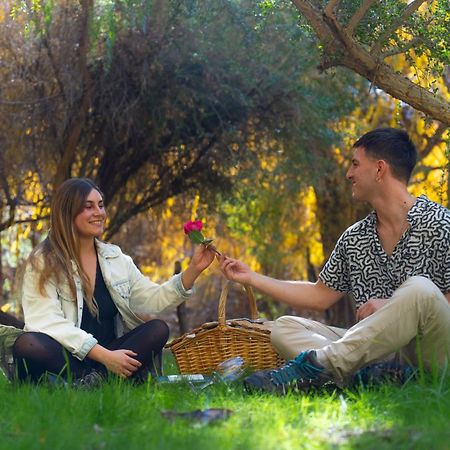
<point x="395" y="262"/>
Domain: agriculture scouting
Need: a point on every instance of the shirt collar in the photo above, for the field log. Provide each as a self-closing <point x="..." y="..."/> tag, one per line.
<point x="416" y="211"/>
<point x="372" y="219"/>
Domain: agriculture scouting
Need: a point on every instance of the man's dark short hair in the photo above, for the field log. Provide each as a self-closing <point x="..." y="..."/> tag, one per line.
<point x="392" y="145"/>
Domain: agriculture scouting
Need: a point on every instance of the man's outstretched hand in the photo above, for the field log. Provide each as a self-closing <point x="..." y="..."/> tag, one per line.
<point x="235" y="270"/>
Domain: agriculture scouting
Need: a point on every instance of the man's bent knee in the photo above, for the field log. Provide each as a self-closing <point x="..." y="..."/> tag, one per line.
<point x="284" y="326"/>
<point x="420" y="282"/>
<point x="421" y="287"/>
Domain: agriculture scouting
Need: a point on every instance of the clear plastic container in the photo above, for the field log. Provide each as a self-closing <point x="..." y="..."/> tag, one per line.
<point x="190" y="378"/>
<point x="226" y="372"/>
<point x="231" y="369"/>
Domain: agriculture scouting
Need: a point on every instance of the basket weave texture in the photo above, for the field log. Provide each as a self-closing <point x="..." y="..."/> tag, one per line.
<point x="202" y="349"/>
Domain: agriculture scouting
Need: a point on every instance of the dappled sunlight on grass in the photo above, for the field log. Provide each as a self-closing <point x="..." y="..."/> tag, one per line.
<point x="120" y="415"/>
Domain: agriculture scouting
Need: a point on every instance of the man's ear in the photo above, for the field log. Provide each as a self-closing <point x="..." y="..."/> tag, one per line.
<point x="382" y="167"/>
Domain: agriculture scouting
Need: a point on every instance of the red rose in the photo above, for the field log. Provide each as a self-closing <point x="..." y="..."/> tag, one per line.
<point x="194" y="231"/>
<point x="195" y="225"/>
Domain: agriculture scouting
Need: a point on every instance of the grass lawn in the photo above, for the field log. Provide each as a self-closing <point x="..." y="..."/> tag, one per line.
<point x="120" y="416"/>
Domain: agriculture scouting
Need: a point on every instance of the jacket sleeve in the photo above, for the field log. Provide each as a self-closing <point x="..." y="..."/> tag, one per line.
<point x="45" y="314"/>
<point x="147" y="297"/>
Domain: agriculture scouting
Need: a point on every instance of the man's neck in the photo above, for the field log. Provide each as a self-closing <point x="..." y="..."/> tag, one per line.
<point x="392" y="207"/>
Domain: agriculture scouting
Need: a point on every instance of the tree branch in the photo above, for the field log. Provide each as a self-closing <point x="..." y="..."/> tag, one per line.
<point x="28" y="102"/>
<point x="398" y="50"/>
<point x="358" y="16"/>
<point x="340" y="49"/>
<point x="156" y="192"/>
<point x="425" y="171"/>
<point x="338" y="31"/>
<point x="402" y="88"/>
<point x="433" y="140"/>
<point x="6" y="224"/>
<point x="331" y="6"/>
<point x="315" y="19"/>
<point x="407" y="12"/>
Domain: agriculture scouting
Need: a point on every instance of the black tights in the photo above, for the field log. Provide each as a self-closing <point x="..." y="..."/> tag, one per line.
<point x="37" y="353"/>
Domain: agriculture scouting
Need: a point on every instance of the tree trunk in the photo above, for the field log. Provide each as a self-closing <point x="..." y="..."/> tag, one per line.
<point x="181" y="309"/>
<point x="80" y="108"/>
<point x="335" y="213"/>
<point x="448" y="180"/>
<point x="2" y="294"/>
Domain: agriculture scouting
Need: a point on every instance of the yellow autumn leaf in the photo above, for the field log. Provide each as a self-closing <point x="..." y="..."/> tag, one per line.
<point x="26" y="233"/>
<point x="195" y="207"/>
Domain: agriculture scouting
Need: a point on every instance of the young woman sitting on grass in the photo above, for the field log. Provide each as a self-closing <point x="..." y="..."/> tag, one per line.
<point x="83" y="299"/>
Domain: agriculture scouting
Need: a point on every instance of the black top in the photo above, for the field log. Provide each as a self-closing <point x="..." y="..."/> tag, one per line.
<point x="103" y="328"/>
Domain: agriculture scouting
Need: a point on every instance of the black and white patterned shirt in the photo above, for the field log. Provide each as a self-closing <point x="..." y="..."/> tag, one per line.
<point x="359" y="264"/>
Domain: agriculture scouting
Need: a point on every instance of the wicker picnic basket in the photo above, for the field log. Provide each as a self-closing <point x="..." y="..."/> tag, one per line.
<point x="202" y="349"/>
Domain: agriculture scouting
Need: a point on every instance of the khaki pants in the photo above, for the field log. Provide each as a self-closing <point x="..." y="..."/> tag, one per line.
<point x="413" y="326"/>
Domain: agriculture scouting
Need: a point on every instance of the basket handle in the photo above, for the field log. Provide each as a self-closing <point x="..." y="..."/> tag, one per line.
<point x="223" y="300"/>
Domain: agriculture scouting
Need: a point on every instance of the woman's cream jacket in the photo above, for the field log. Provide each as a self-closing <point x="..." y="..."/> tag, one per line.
<point x="59" y="315"/>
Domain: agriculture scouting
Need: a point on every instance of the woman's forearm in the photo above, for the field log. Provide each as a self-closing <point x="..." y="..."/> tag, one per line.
<point x="99" y="354"/>
<point x="189" y="276"/>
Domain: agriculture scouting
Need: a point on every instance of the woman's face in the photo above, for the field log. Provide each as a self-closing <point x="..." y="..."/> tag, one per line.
<point x="90" y="222"/>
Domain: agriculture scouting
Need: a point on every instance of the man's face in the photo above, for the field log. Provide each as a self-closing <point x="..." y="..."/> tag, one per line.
<point x="363" y="172"/>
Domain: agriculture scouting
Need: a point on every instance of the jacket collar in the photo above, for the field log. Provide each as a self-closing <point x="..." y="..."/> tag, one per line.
<point x="106" y="250"/>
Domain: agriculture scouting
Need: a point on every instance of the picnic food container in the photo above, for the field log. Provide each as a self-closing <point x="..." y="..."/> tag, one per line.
<point x="204" y="348"/>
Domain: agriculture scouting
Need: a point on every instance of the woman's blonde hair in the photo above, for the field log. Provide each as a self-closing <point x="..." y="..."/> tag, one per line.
<point x="57" y="258"/>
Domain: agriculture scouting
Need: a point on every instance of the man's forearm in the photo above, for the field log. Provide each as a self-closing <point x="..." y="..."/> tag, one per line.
<point x="298" y="294"/>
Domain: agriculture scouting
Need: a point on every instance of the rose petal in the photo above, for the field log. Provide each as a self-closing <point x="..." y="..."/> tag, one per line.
<point x="187" y="227"/>
<point x="195" y="225"/>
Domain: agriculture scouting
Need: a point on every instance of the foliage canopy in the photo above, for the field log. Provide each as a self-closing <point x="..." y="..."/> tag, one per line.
<point x="151" y="99"/>
<point x="370" y="37"/>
